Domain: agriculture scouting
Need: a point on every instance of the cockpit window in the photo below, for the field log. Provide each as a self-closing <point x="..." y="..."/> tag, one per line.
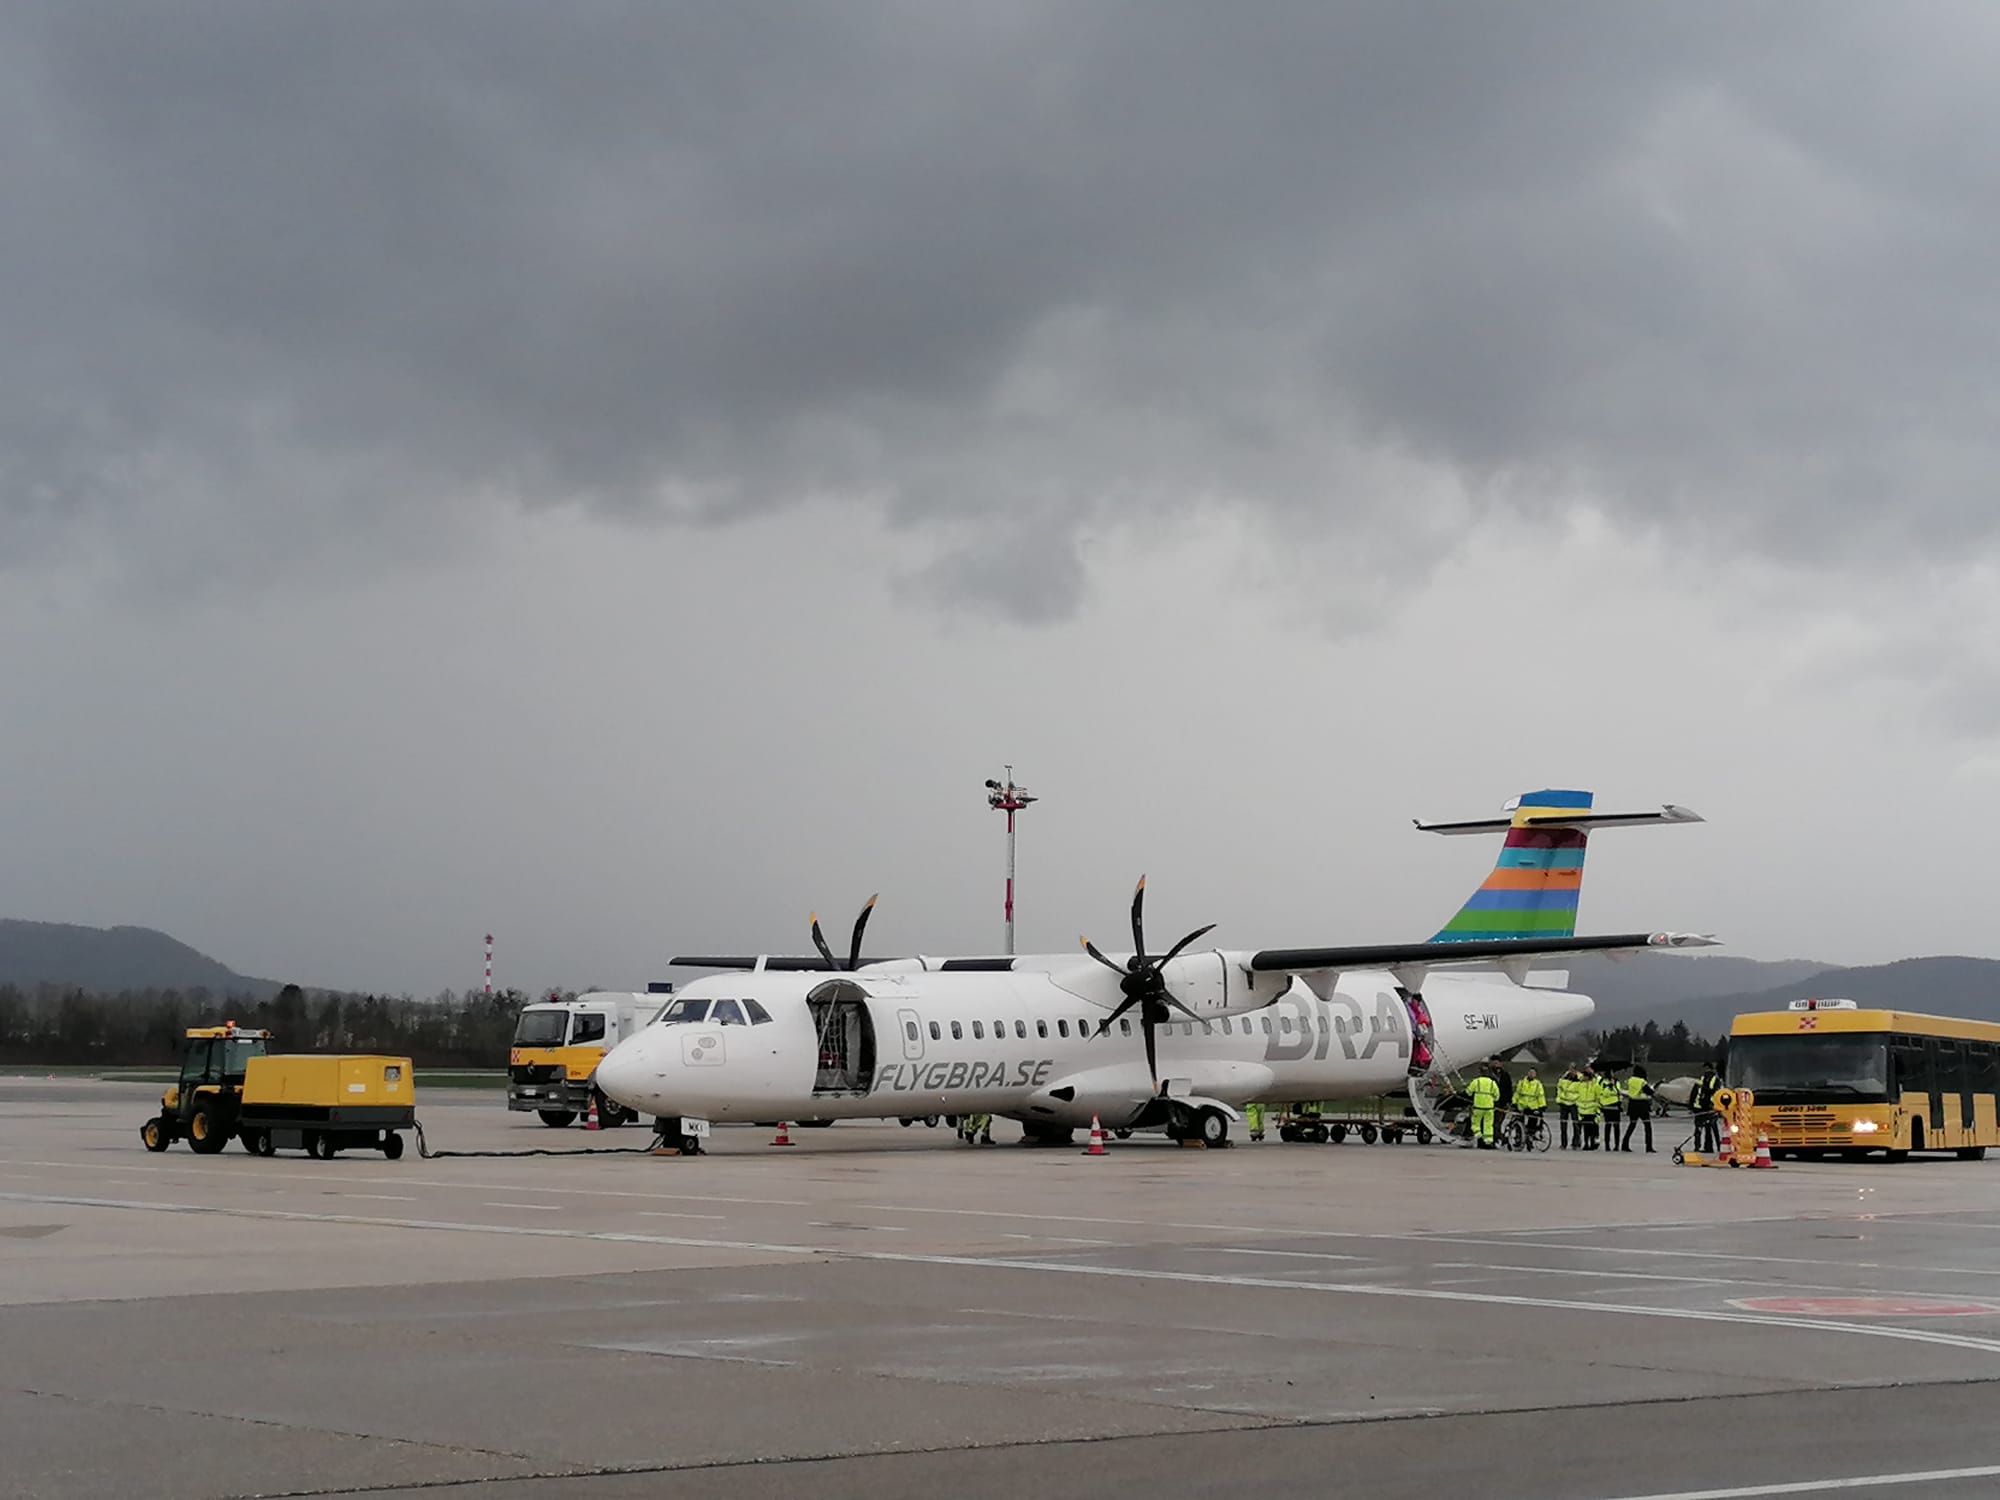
<point x="687" y="1008"/>
<point x="726" y="1013"/>
<point x="758" y="1015"/>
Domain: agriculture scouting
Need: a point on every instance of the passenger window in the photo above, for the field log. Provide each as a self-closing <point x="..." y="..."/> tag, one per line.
<point x="1285" y="1025"/>
<point x="957" y="1032"/>
<point x="978" y="1032"/>
<point x="910" y="1031"/>
<point x="726" y="1013"/>
<point x="1226" y="1031"/>
<point x="589" y="1028"/>
<point x="1267" y="1024"/>
<point x="999" y="1030"/>
<point x="1041" y="1028"/>
<point x="934" y="1031"/>
<point x="1206" y="1029"/>
<point x="758" y="1015"/>
<point x="1062" y="1028"/>
<point x="1021" y="1030"/>
<point x="1125" y="1027"/>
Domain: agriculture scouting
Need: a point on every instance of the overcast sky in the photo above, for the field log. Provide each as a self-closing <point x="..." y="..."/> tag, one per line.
<point x="622" y="476"/>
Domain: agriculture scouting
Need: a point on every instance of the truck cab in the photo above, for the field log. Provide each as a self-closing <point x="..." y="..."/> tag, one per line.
<point x="552" y="1066"/>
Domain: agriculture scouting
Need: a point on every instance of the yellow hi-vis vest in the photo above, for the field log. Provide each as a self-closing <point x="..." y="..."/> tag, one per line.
<point x="1607" y="1094"/>
<point x="1589" y="1103"/>
<point x="1529" y="1094"/>
<point x="1635" y="1087"/>
<point x="1485" y="1093"/>
<point x="1566" y="1092"/>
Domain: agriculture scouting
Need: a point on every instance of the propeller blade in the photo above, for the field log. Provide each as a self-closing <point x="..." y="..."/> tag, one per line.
<point x="1138" y="919"/>
<point x="1180" y="1007"/>
<point x="1091" y="948"/>
<point x="819" y="942"/>
<point x="1152" y="1061"/>
<point x="860" y="926"/>
<point x="1124" y="1005"/>
<point x="1175" y="951"/>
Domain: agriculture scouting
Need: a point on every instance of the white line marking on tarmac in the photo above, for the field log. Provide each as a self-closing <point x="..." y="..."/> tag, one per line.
<point x="661" y="1213"/>
<point x="380" y="1197"/>
<point x="1820" y="1486"/>
<point x="540" y="1208"/>
<point x="994" y="1213"/>
<point x="1064" y="1239"/>
<point x="1766" y="1260"/>
<point x="1061" y="1268"/>
<point x="1734" y="1281"/>
<point x="1289" y="1254"/>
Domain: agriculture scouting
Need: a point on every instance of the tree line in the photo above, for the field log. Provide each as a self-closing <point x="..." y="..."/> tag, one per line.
<point x="61" y="1026"/>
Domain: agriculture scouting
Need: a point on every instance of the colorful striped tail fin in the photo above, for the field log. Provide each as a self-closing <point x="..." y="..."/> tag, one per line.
<point x="1533" y="889"/>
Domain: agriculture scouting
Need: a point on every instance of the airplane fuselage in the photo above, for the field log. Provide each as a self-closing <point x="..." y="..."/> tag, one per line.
<point x="1024" y="1045"/>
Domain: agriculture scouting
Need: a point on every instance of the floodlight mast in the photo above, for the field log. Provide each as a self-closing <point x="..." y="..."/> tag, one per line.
<point x="1004" y="796"/>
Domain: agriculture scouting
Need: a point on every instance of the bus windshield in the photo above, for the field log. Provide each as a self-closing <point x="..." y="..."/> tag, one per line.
<point x="1812" y="1068"/>
<point x="541" y="1028"/>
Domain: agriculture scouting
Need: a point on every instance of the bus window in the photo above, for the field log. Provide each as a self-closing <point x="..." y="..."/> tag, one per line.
<point x="1982" y="1072"/>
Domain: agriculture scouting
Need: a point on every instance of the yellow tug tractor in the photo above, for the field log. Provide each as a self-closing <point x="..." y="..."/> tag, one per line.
<point x="231" y="1085"/>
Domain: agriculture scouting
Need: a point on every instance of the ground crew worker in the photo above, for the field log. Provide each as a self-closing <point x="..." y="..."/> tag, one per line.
<point x="1707" y="1123"/>
<point x="1566" y="1120"/>
<point x="1485" y="1095"/>
<point x="1610" y="1099"/>
<point x="1589" y="1110"/>
<point x="1530" y="1099"/>
<point x="1638" y="1107"/>
<point x="977" y="1130"/>
<point x="1253" y="1120"/>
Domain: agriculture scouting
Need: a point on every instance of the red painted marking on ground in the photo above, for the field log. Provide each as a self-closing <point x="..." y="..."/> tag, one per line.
<point x="1866" y="1307"/>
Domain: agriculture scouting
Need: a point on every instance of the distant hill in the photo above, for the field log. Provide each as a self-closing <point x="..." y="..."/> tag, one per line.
<point x="1664" y="987"/>
<point x="109" y="959"/>
<point x="1946" y="986"/>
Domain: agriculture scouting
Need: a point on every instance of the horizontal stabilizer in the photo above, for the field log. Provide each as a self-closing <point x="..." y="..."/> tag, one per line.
<point x="1529" y="817"/>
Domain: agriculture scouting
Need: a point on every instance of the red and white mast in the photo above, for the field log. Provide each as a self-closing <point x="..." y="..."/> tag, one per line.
<point x="489" y="963"/>
<point x="1004" y="796"/>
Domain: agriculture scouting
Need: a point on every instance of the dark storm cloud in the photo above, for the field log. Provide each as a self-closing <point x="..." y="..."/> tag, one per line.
<point x="289" y="272"/>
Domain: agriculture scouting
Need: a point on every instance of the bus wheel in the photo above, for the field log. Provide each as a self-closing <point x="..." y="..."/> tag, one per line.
<point x="1972" y="1153"/>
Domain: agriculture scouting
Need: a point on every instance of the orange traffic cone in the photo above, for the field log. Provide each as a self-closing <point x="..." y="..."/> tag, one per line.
<point x="1763" y="1158"/>
<point x="590" y="1117"/>
<point x="784" y="1135"/>
<point x="1096" y="1139"/>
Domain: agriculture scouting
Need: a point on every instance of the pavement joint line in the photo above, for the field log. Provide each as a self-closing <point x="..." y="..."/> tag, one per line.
<point x="1342" y="1419"/>
<point x="1821" y="1486"/>
<point x="1071" y="1268"/>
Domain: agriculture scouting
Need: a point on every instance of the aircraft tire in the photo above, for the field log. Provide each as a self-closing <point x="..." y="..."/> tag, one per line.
<point x="1212" y="1126"/>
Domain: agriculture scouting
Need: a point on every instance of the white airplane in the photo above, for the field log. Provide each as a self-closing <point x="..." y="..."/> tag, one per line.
<point x="1050" y="1040"/>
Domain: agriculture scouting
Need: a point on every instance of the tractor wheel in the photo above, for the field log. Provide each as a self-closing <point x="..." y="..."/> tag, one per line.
<point x="392" y="1145"/>
<point x="156" y="1135"/>
<point x="555" y="1119"/>
<point x="206" y="1131"/>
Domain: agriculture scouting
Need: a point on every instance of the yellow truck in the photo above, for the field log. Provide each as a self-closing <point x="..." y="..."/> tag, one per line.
<point x="232" y="1086"/>
<point x="552" y="1066"/>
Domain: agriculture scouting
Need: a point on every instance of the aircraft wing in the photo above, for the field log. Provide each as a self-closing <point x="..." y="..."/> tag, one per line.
<point x="1444" y="955"/>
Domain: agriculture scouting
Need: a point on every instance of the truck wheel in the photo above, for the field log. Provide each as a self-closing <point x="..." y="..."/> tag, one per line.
<point x="392" y="1145"/>
<point x="320" y="1145"/>
<point x="1338" y="1132"/>
<point x="154" y="1134"/>
<point x="206" y="1131"/>
<point x="1423" y="1135"/>
<point x="261" y="1144"/>
<point x="930" y="1122"/>
<point x="1368" y="1135"/>
<point x="555" y="1119"/>
<point x="906" y="1122"/>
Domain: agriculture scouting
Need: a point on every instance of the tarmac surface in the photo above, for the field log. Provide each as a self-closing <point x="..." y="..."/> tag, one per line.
<point x="881" y="1312"/>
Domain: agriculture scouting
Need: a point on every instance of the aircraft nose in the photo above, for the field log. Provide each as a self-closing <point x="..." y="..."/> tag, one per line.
<point x="622" y="1076"/>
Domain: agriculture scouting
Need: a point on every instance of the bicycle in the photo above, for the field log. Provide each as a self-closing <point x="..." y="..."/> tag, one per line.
<point x="1525" y="1132"/>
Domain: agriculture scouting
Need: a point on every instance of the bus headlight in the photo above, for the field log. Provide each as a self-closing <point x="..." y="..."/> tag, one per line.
<point x="1865" y="1127"/>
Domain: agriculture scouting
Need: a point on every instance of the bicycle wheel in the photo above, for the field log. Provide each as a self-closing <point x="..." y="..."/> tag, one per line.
<point x="1540" y="1134"/>
<point x="1510" y="1136"/>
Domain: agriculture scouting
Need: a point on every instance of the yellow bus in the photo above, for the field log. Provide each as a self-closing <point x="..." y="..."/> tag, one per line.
<point x="1832" y="1079"/>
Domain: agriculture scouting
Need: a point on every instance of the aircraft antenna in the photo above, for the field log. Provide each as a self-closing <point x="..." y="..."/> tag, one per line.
<point x="1004" y="796"/>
